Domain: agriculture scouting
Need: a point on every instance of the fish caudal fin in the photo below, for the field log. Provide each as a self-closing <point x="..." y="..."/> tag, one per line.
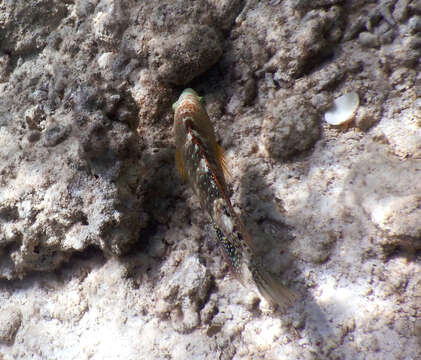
<point x="271" y="288"/>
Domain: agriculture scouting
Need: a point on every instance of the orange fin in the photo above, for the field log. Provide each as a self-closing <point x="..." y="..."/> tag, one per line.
<point x="180" y="165"/>
<point x="223" y="161"/>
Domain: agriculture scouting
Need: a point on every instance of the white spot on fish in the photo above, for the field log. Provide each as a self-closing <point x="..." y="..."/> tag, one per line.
<point x="227" y="221"/>
<point x="189" y="138"/>
<point x="195" y="133"/>
<point x="203" y="165"/>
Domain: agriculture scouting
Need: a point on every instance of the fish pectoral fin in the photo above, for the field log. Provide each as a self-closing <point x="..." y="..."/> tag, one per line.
<point x="223" y="161"/>
<point x="180" y="164"/>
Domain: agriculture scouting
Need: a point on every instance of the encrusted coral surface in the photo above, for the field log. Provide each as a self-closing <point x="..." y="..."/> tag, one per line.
<point x="106" y="254"/>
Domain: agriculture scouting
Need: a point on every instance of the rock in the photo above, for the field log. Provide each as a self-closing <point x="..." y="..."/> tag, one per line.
<point x="22" y="37"/>
<point x="402" y="79"/>
<point x="152" y="99"/>
<point x="34" y="116"/>
<point x="395" y="212"/>
<point x="10" y="322"/>
<point x="368" y="40"/>
<point x="226" y="11"/>
<point x="95" y="150"/>
<point x="171" y="14"/>
<point x="400" y="12"/>
<point x="308" y="4"/>
<point x="33" y="136"/>
<point x="181" y="302"/>
<point x="367" y="117"/>
<point x="108" y="22"/>
<point x="414" y="24"/>
<point x="179" y="58"/>
<point x="289" y="127"/>
<point x="402" y="144"/>
<point x="399" y="216"/>
<point x="55" y="133"/>
<point x="4" y="67"/>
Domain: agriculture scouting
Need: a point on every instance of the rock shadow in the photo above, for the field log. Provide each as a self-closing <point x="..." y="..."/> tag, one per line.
<point x="78" y="265"/>
<point x="161" y="190"/>
<point x="381" y="196"/>
<point x="272" y="237"/>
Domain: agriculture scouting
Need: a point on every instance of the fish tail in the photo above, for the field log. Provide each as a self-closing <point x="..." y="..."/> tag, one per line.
<point x="238" y="251"/>
<point x="270" y="287"/>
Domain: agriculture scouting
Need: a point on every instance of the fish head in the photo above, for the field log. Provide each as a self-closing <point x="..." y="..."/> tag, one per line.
<point x="188" y="95"/>
<point x="190" y="115"/>
<point x="187" y="108"/>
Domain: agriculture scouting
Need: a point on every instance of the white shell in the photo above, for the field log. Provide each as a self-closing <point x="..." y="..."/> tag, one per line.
<point x="343" y="109"/>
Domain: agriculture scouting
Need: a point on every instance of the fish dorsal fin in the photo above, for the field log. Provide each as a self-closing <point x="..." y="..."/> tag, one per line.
<point x="180" y="164"/>
<point x="223" y="161"/>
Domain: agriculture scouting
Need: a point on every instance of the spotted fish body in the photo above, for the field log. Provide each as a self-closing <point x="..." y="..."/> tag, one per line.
<point x="200" y="162"/>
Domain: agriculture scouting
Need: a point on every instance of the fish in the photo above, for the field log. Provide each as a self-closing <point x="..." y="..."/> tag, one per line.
<point x="201" y="163"/>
